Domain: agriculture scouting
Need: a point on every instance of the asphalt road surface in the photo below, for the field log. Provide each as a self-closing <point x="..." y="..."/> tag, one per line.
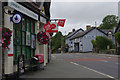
<point x="104" y="65"/>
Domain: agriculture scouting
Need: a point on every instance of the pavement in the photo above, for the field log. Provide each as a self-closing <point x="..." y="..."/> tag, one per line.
<point x="58" y="68"/>
<point x="0" y="76"/>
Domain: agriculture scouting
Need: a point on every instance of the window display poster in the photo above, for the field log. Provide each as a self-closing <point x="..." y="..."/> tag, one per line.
<point x="33" y="41"/>
<point x="28" y="38"/>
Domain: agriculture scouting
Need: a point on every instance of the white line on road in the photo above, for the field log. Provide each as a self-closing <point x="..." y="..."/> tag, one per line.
<point x="53" y="56"/>
<point x="93" y="70"/>
<point x="105" y="61"/>
<point x="117" y="63"/>
<point x="74" y="63"/>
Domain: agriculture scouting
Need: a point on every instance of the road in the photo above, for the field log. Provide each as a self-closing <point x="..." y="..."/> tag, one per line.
<point x="78" y="66"/>
<point x="105" y="65"/>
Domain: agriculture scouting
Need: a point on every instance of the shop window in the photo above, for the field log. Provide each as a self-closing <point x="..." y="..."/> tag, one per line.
<point x="24" y="39"/>
<point x="31" y="27"/>
<point x="18" y="27"/>
<point x="23" y="50"/>
<point x="28" y="25"/>
<point x="18" y="37"/>
<point x="18" y="50"/>
<point x="28" y="53"/>
<point x="23" y="25"/>
<point x="15" y="53"/>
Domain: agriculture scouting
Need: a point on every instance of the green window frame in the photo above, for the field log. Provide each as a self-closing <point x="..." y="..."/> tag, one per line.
<point x="19" y="35"/>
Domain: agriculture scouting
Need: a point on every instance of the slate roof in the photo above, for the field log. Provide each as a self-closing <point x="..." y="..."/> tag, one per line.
<point x="70" y="35"/>
<point x="107" y="30"/>
<point x="85" y="32"/>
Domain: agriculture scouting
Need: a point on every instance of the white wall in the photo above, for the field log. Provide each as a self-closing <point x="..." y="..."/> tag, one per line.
<point x="68" y="41"/>
<point x="86" y="39"/>
<point x="8" y="60"/>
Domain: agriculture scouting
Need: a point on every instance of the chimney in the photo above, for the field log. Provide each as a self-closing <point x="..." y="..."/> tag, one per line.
<point x="73" y="30"/>
<point x="88" y="27"/>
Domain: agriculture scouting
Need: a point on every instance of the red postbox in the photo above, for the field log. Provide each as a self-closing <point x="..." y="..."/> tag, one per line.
<point x="40" y="60"/>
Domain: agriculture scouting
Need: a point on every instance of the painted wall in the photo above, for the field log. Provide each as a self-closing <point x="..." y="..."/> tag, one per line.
<point x="86" y="39"/>
<point x="8" y="63"/>
<point x="70" y="42"/>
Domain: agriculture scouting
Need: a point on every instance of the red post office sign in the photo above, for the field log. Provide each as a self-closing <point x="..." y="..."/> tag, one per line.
<point x="61" y="22"/>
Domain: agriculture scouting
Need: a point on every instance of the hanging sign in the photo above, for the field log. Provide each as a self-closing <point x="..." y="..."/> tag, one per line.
<point x="16" y="18"/>
<point x="53" y="27"/>
<point x="49" y="27"/>
<point x="61" y="22"/>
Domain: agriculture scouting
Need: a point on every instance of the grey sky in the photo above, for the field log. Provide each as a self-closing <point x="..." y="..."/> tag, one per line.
<point x="80" y="14"/>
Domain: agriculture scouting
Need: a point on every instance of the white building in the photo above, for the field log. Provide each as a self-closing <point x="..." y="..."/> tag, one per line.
<point x="67" y="40"/>
<point x="32" y="23"/>
<point x="81" y="42"/>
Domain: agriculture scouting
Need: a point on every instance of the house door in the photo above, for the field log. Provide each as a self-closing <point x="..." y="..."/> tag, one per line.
<point x="76" y="47"/>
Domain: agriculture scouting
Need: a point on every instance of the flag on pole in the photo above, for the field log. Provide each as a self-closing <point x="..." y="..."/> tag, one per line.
<point x="61" y="22"/>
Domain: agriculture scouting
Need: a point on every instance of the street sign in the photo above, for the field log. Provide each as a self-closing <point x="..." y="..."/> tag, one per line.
<point x="16" y="18"/>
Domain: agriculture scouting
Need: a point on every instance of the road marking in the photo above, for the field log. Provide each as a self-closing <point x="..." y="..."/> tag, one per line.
<point x="93" y="70"/>
<point x="74" y="63"/>
<point x="109" y="57"/>
<point x="53" y="56"/>
<point x="105" y="61"/>
<point x="117" y="63"/>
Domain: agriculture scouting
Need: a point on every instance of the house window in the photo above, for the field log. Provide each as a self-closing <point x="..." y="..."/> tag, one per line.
<point x="19" y="34"/>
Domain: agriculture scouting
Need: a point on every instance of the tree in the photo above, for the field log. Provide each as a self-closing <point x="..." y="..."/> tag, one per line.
<point x="93" y="43"/>
<point x="117" y="38"/>
<point x="57" y="41"/>
<point x="101" y="42"/>
<point x="109" y="22"/>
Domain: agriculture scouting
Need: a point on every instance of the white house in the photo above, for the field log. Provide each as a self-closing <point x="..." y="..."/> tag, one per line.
<point x="67" y="40"/>
<point x="81" y="42"/>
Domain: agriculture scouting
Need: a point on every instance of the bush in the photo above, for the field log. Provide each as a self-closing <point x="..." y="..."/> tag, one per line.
<point x="93" y="43"/>
<point x="102" y="42"/>
<point x="117" y="37"/>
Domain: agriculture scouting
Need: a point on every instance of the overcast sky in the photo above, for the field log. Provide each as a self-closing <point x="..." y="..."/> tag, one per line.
<point x="80" y="14"/>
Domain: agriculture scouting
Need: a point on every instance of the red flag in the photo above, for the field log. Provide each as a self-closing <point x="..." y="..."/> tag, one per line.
<point x="61" y="22"/>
